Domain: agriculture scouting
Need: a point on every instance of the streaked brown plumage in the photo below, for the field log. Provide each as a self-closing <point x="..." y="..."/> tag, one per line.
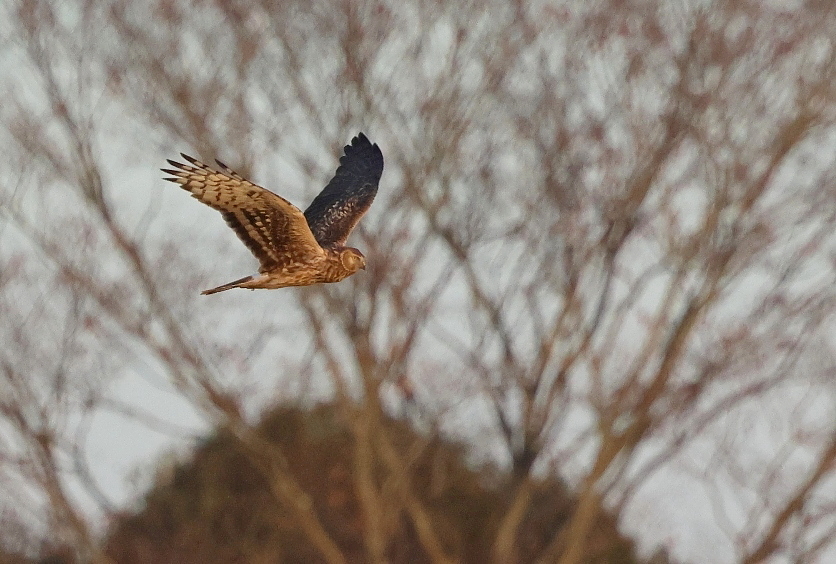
<point x="294" y="249"/>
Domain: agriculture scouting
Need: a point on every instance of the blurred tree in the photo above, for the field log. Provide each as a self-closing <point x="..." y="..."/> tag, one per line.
<point x="214" y="508"/>
<point x="602" y="250"/>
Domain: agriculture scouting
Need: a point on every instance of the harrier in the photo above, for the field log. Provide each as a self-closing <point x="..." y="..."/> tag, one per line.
<point x="294" y="249"/>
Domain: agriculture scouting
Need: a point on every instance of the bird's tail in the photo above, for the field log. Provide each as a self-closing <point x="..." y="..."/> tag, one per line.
<point x="229" y="286"/>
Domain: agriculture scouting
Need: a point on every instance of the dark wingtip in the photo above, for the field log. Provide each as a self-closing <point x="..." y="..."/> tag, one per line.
<point x="222" y="165"/>
<point x="360" y="139"/>
<point x="170" y="171"/>
<point x="192" y="160"/>
<point x="361" y="146"/>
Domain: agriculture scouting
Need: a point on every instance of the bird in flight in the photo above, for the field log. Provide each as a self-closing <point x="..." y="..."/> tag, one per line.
<point x="293" y="249"/>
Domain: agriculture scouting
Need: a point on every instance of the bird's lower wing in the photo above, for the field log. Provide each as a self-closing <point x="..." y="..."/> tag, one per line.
<point x="271" y="227"/>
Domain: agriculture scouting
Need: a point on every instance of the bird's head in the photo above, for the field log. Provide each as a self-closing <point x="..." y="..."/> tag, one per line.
<point x="352" y="259"/>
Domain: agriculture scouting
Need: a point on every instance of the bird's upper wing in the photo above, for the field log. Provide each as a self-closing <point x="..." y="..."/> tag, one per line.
<point x="271" y="227"/>
<point x="337" y="209"/>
